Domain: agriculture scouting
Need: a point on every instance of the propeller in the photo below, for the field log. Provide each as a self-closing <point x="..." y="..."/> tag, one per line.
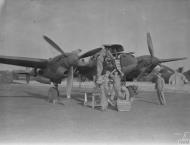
<point x="70" y="73"/>
<point x="158" y="61"/>
<point x="52" y="43"/>
<point x="76" y="52"/>
<point x="87" y="54"/>
<point x="150" y="45"/>
<point x="151" y="50"/>
<point x="69" y="83"/>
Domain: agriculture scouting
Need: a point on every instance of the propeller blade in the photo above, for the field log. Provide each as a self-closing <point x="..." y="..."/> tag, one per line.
<point x="52" y="43"/>
<point x="171" y="59"/>
<point x="90" y="53"/>
<point x="150" y="45"/>
<point x="69" y="83"/>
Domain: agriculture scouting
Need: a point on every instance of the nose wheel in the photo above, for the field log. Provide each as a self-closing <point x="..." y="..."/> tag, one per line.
<point x="53" y="94"/>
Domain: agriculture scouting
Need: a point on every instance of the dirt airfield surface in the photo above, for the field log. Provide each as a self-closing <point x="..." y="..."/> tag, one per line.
<point x="27" y="118"/>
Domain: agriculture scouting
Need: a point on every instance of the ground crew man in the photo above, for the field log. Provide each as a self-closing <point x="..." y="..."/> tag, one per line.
<point x="106" y="79"/>
<point x="117" y="84"/>
<point x="109" y="89"/>
<point x="100" y="59"/>
<point x="159" y="86"/>
<point x="111" y="94"/>
<point x="125" y="92"/>
<point x="101" y="84"/>
<point x="177" y="79"/>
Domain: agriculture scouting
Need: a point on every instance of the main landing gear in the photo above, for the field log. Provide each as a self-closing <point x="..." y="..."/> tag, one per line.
<point x="53" y="94"/>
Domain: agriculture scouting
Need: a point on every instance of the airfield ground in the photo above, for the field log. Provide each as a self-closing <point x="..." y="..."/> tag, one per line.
<point x="27" y="117"/>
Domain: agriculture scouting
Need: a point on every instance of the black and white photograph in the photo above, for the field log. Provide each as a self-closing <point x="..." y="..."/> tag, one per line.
<point x="104" y="72"/>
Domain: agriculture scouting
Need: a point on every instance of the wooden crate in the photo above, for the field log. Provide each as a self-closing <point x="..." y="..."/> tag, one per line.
<point x="123" y="105"/>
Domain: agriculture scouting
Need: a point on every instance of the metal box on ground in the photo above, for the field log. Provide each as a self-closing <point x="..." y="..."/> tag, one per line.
<point x="123" y="105"/>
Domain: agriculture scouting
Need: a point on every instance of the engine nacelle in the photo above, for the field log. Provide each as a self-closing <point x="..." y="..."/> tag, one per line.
<point x="42" y="79"/>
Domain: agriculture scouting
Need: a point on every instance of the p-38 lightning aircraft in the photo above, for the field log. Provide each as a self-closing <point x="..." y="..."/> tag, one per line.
<point x="54" y="69"/>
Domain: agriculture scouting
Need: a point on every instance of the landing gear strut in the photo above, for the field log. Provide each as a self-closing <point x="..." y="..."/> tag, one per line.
<point x="53" y="94"/>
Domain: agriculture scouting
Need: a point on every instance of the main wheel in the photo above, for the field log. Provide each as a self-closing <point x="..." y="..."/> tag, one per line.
<point x="53" y="95"/>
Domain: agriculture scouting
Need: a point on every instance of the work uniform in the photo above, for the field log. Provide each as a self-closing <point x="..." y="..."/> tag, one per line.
<point x="100" y="59"/>
<point x="108" y="88"/>
<point x="103" y="98"/>
<point x="106" y="79"/>
<point x="117" y="85"/>
<point x="177" y="79"/>
<point x="159" y="86"/>
<point x="104" y="101"/>
<point x="125" y="92"/>
<point x="111" y="91"/>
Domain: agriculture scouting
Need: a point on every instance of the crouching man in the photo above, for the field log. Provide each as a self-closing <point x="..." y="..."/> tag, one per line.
<point x="123" y="102"/>
<point x="125" y="92"/>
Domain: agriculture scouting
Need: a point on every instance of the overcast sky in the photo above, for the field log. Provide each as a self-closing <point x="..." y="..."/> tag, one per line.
<point x="88" y="24"/>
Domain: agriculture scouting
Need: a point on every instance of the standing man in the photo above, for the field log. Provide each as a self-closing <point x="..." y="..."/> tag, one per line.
<point x="100" y="59"/>
<point x="159" y="86"/>
<point x="117" y="84"/>
<point x="101" y="84"/>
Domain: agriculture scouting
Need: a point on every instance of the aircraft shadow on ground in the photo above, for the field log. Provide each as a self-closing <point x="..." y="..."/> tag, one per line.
<point x="36" y="95"/>
<point x="146" y="100"/>
<point x="29" y="95"/>
<point x="78" y="98"/>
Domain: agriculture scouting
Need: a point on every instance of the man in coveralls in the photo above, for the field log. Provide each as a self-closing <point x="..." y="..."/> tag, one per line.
<point x="159" y="86"/>
<point x="101" y="84"/>
<point x="100" y="59"/>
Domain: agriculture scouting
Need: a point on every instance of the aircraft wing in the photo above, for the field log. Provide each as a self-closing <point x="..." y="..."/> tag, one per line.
<point x="24" y="61"/>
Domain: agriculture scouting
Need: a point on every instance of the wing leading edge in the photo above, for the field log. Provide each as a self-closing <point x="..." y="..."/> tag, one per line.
<point x="24" y="61"/>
